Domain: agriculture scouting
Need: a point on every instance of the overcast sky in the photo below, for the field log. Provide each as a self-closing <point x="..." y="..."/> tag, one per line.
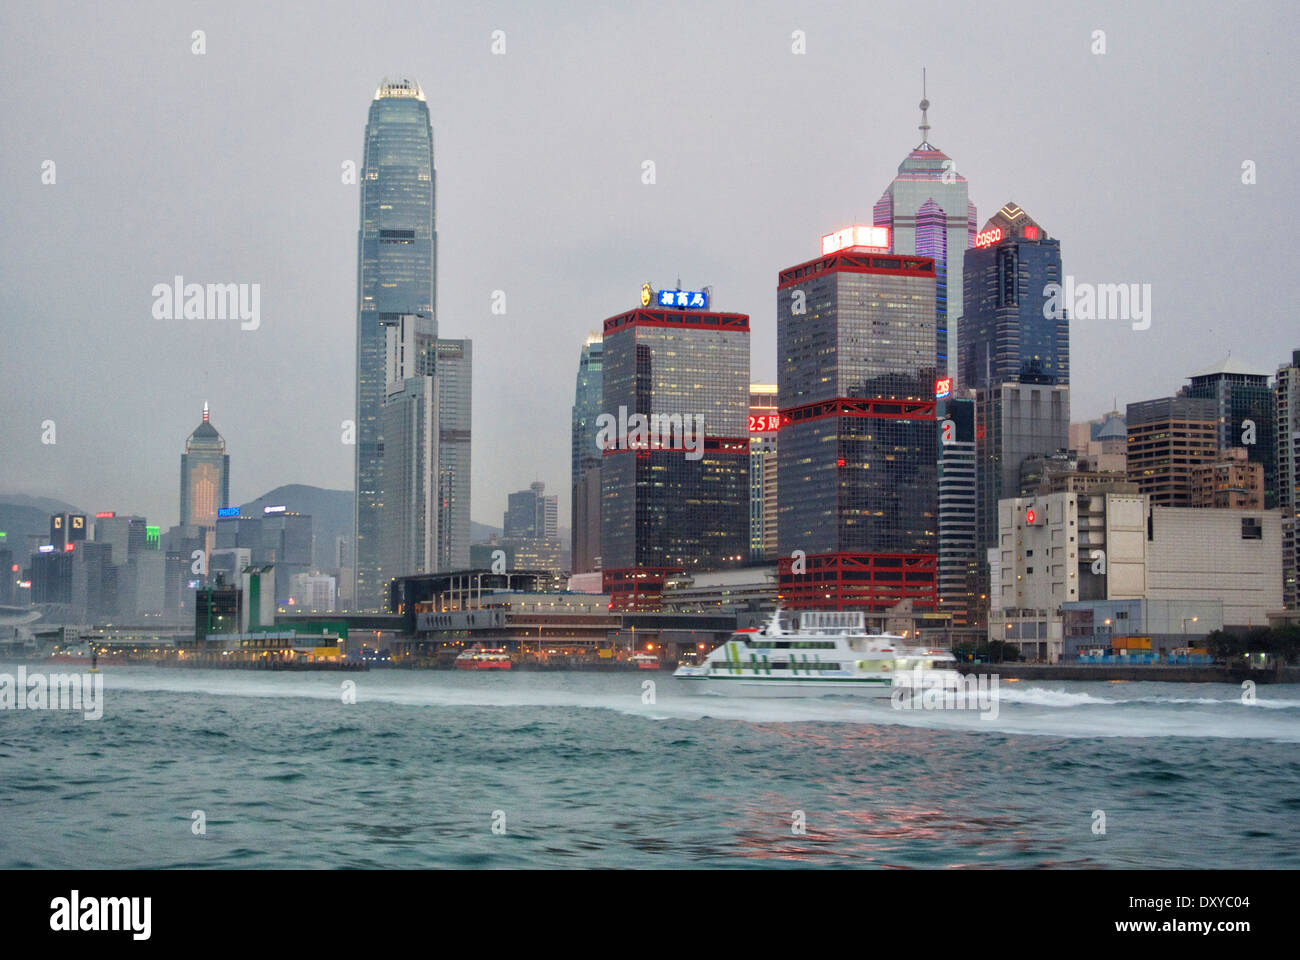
<point x="226" y="167"/>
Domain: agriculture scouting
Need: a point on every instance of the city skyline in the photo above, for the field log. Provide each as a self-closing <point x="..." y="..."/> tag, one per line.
<point x="282" y="389"/>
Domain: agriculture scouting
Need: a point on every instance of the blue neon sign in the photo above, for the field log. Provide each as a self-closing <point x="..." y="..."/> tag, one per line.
<point x="228" y="512"/>
<point x="683" y="299"/>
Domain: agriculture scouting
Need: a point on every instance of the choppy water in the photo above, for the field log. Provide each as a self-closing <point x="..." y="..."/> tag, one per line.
<point x="586" y="774"/>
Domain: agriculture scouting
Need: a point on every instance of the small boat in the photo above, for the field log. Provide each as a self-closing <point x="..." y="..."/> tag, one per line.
<point x="644" y="661"/>
<point x="824" y="652"/>
<point x="480" y="657"/>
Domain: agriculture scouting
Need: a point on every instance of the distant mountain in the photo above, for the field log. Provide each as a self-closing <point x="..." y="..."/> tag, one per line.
<point x="40" y="503"/>
<point x="330" y="510"/>
<point x="482" y="532"/>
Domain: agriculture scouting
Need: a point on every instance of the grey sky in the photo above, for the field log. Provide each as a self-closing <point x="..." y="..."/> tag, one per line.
<point x="226" y="168"/>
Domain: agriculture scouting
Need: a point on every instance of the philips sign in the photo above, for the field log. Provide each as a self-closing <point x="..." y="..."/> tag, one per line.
<point x="228" y="512"/>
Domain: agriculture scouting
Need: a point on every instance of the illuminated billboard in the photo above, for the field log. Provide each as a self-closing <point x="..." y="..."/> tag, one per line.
<point x="764" y="422"/>
<point x="988" y="237"/>
<point x="872" y="238"/>
<point x="943" y="388"/>
<point x="278" y="509"/>
<point x="228" y="512"/>
<point x="682" y="299"/>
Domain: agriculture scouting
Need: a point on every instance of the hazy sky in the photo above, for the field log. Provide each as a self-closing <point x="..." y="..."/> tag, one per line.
<point x="226" y="167"/>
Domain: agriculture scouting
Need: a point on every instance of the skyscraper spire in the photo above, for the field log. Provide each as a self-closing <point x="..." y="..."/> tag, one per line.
<point x="925" y="105"/>
<point x="205" y="411"/>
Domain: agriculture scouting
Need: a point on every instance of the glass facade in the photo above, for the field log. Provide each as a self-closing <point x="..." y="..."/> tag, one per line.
<point x="585" y="457"/>
<point x="659" y="508"/>
<point x="1004" y="335"/>
<point x="396" y="270"/>
<point x="455" y="423"/>
<point x="857" y="464"/>
<point x="1242" y="396"/>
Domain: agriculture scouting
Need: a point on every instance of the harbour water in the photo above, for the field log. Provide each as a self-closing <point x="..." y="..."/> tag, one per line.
<point x="523" y="769"/>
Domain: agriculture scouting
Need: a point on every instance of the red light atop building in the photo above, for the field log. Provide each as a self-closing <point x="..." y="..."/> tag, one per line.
<point x="105" y="514"/>
<point x="1031" y="232"/>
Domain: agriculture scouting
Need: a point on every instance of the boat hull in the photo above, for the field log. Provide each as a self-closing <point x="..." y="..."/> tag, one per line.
<point x="750" y="686"/>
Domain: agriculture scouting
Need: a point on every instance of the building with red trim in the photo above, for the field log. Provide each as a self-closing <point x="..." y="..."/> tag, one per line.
<point x="675" y="485"/>
<point x="857" y="459"/>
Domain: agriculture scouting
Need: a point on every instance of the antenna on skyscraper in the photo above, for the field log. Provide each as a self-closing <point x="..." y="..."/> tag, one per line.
<point x="925" y="105"/>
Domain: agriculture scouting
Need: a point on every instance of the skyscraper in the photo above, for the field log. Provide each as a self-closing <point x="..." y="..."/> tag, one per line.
<point x="928" y="213"/>
<point x="455" y="423"/>
<point x="764" y="424"/>
<point x="396" y="271"/>
<point x="530" y="528"/>
<point x="958" y="553"/>
<point x="1287" y="418"/>
<point x="1167" y="439"/>
<point x="409" y="510"/>
<point x="1244" y="401"/>
<point x="672" y="499"/>
<point x="585" y="457"/>
<point x="397" y="276"/>
<point x="1015" y="356"/>
<point x="205" y="477"/>
<point x="857" y="459"/>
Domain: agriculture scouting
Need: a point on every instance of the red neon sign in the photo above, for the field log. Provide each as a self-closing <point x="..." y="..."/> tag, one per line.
<point x="942" y="388"/>
<point x="67" y="546"/>
<point x="105" y="513"/>
<point x="1031" y="232"/>
<point x="1029" y="516"/>
<point x="988" y="237"/>
<point x="764" y="422"/>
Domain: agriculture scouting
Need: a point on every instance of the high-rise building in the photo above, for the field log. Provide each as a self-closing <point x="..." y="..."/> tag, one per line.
<point x="675" y="465"/>
<point x="410" y="508"/>
<point x="1015" y="356"/>
<point x="1167" y="439"/>
<point x="396" y="271"/>
<point x="928" y="213"/>
<point x="1008" y="335"/>
<point x="1287" y="419"/>
<point x="584" y="476"/>
<point x="958" y="553"/>
<point x="205" y="477"/>
<point x="858" y="473"/>
<point x="455" y="423"/>
<point x="530" y="528"/>
<point x="764" y="425"/>
<point x="1244" y="410"/>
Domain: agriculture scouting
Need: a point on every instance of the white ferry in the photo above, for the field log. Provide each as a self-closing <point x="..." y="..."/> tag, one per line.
<point x="818" y="652"/>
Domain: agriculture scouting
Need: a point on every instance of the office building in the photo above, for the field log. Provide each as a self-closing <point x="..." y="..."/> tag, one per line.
<point x="585" y="458"/>
<point x="205" y="477"/>
<point x="1244" y="414"/>
<point x="1232" y="480"/>
<point x="675" y="464"/>
<point x="764" y="424"/>
<point x="1287" y="420"/>
<point x="1167" y="439"/>
<point x="959" y="559"/>
<point x="858" y="471"/>
<point x="455" y="430"/>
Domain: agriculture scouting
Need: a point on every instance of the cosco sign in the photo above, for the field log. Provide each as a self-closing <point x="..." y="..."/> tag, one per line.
<point x="988" y="237"/>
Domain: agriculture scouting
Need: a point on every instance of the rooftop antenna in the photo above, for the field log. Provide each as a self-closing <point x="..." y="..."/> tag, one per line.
<point x="925" y="105"/>
<point x="205" y="411"/>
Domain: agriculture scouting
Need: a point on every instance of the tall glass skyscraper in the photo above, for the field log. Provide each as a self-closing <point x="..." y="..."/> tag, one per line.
<point x="396" y="275"/>
<point x="397" y="257"/>
<point x="1243" y="396"/>
<point x="585" y="457"/>
<point x="928" y="213"/>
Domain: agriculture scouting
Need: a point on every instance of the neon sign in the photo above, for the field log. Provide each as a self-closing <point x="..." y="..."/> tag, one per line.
<point x="1031" y="232"/>
<point x="873" y="238"/>
<point x="988" y="237"/>
<point x="279" y="509"/>
<point x="104" y="514"/>
<point x="764" y="422"/>
<point x="46" y="548"/>
<point x="1029" y="516"/>
<point x="681" y="299"/>
<point x="943" y="388"/>
<point x="228" y="512"/>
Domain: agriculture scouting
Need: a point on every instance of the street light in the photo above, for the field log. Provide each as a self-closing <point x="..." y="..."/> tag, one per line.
<point x="1187" y="620"/>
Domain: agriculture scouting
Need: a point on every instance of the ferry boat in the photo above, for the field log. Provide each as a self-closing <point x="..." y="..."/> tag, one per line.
<point x="644" y="661"/>
<point x="483" y="658"/>
<point x="816" y="653"/>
